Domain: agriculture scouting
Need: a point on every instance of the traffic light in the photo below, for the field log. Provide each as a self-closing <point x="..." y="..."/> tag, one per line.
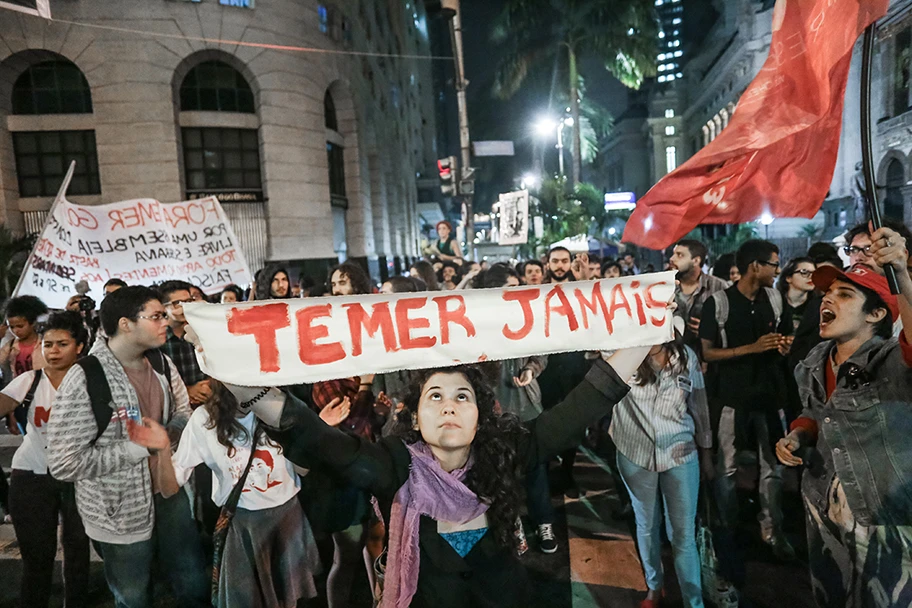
<point x="447" y="168"/>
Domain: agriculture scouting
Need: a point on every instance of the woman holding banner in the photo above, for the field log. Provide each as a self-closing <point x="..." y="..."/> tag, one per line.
<point x="663" y="438"/>
<point x="449" y="481"/>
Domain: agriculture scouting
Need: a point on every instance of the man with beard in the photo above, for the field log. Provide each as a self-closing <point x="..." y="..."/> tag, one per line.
<point x="564" y="370"/>
<point x="562" y="267"/>
<point x="695" y="286"/>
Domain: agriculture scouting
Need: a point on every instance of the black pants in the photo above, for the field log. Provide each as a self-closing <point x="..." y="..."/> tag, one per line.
<point x="4" y="492"/>
<point x="37" y="502"/>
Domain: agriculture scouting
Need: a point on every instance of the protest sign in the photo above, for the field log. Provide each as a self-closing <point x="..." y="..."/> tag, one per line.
<point x="514" y="218"/>
<point x="281" y="342"/>
<point x="141" y="241"/>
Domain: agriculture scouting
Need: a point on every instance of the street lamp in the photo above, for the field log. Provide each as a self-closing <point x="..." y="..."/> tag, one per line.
<point x="545" y="126"/>
<point x="766" y="219"/>
<point x="530" y="181"/>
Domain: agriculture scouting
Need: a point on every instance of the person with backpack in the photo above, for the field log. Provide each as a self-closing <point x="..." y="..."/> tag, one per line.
<point x="38" y="500"/>
<point x="743" y="330"/>
<point x="118" y="496"/>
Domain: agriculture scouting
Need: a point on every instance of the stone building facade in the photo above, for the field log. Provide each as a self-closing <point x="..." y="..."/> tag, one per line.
<point x="313" y="122"/>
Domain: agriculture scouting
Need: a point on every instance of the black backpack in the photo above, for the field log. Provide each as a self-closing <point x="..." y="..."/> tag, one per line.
<point x="21" y="411"/>
<point x="100" y="390"/>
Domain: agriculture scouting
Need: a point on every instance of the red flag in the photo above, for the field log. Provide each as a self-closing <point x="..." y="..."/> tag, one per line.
<point x="778" y="153"/>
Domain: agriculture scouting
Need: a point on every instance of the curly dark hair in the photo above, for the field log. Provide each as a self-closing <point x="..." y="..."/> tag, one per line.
<point x="496" y="474"/>
<point x="357" y="276"/>
<point x="222" y="408"/>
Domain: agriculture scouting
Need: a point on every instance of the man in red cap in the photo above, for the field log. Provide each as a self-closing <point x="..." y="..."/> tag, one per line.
<point x="855" y="434"/>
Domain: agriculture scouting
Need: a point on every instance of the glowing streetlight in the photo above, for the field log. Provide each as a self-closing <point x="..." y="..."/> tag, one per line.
<point x="766" y="219"/>
<point x="545" y="127"/>
<point x="530" y="180"/>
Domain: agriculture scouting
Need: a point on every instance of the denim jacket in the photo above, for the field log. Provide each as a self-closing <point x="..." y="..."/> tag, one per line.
<point x="864" y="429"/>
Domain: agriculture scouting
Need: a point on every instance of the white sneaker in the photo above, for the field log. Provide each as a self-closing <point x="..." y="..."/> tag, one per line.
<point x="546" y="541"/>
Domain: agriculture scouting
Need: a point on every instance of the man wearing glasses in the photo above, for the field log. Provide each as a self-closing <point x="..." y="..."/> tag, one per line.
<point x="174" y="294"/>
<point x="117" y="492"/>
<point x="743" y="330"/>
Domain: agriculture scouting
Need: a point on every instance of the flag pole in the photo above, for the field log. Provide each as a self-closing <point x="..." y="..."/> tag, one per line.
<point x="61" y="194"/>
<point x="867" y="148"/>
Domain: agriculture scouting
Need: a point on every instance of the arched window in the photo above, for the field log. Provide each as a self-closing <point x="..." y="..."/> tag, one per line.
<point x="329" y="112"/>
<point x="222" y="160"/>
<point x="215" y="86"/>
<point x="52" y="87"/>
<point x="43" y="146"/>
<point x="894" y="205"/>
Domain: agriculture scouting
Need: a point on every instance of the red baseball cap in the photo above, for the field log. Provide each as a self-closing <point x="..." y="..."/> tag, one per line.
<point x="862" y="276"/>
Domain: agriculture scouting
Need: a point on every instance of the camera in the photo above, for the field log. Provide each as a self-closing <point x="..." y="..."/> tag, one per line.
<point x="86" y="304"/>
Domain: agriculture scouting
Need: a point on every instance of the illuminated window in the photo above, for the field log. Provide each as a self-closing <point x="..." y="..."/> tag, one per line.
<point x="669" y="130"/>
<point x="671" y="159"/>
<point x="669" y="113"/>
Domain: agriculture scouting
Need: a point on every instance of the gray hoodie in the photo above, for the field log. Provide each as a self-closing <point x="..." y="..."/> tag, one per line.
<point x="112" y="477"/>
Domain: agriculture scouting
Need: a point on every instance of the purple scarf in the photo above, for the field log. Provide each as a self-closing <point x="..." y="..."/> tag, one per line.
<point x="429" y="491"/>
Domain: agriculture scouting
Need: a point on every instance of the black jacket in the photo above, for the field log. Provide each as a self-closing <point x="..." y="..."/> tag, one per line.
<point x="489" y="575"/>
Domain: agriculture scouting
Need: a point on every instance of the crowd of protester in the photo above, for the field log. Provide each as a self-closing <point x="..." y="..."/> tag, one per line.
<point x="296" y="495"/>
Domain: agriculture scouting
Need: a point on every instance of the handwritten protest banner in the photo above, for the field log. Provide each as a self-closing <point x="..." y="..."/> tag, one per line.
<point x="141" y="241"/>
<point x="280" y="342"/>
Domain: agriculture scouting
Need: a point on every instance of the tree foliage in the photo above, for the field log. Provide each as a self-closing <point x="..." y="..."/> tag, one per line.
<point x="620" y="34"/>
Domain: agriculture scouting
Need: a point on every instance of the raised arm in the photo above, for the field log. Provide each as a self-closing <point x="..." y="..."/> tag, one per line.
<point x="306" y="439"/>
<point x="563" y="426"/>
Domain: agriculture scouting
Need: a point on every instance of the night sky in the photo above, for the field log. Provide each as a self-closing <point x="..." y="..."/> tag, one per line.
<point x="491" y="118"/>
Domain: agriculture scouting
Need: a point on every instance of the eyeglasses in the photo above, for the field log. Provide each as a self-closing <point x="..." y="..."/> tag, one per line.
<point x="855" y="250"/>
<point x="176" y="303"/>
<point x="155" y="318"/>
<point x="805" y="273"/>
<point x="773" y="264"/>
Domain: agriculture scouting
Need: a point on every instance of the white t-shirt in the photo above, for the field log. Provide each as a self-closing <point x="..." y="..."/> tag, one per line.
<point x="271" y="482"/>
<point x="30" y="456"/>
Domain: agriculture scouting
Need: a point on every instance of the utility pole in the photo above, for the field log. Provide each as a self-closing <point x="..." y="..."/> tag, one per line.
<point x="465" y="166"/>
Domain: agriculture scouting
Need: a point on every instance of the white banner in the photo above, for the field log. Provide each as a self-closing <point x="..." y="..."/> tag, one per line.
<point x="282" y="342"/>
<point x="514" y="218"/>
<point x="141" y="241"/>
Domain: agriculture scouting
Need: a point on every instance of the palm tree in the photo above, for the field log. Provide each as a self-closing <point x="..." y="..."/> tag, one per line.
<point x="621" y="34"/>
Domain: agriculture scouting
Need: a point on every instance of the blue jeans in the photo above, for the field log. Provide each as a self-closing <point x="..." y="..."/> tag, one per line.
<point x="175" y="541"/>
<point x="678" y="488"/>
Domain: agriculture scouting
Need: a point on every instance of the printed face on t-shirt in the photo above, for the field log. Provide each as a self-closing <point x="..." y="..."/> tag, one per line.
<point x="259" y="477"/>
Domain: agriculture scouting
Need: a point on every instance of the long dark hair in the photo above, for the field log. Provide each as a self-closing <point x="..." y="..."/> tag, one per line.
<point x="222" y="408"/>
<point x="788" y="272"/>
<point x="646" y="374"/>
<point x="426" y="273"/>
<point x="496" y="472"/>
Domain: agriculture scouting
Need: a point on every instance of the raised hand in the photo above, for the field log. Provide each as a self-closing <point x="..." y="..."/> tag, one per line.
<point x="336" y="411"/>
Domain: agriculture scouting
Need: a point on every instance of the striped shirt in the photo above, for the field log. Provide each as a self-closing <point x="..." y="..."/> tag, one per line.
<point x="658" y="426"/>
